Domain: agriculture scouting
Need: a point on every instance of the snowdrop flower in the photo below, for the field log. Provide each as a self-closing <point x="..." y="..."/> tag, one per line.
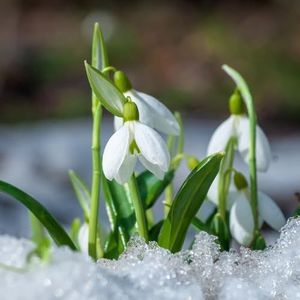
<point x="241" y="219"/>
<point x="237" y="125"/>
<point x="83" y="238"/>
<point x="151" y="111"/>
<point x="131" y="141"/>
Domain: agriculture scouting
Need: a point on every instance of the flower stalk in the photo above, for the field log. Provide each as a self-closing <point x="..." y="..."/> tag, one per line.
<point x="141" y="219"/>
<point x="244" y="90"/>
<point x="99" y="61"/>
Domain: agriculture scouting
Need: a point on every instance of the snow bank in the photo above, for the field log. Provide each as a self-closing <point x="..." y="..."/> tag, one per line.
<point x="149" y="272"/>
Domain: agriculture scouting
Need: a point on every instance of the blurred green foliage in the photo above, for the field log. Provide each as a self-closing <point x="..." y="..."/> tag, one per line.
<point x="172" y="50"/>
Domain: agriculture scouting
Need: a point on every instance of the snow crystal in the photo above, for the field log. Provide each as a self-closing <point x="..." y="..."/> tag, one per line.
<point x="146" y="271"/>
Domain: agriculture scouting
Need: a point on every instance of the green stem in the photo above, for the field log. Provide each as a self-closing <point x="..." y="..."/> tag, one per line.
<point x="252" y="166"/>
<point x="244" y="90"/>
<point x="96" y="181"/>
<point x="133" y="193"/>
<point x="99" y="61"/>
<point x="174" y="162"/>
<point x="168" y="199"/>
<point x="225" y="177"/>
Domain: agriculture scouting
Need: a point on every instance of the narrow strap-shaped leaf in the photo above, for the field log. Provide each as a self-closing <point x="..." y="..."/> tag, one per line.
<point x="187" y="202"/>
<point x="57" y="233"/>
<point x="154" y="231"/>
<point x="151" y="188"/>
<point x="99" y="53"/>
<point x="82" y="193"/>
<point x="110" y="97"/>
<point x="120" y="210"/>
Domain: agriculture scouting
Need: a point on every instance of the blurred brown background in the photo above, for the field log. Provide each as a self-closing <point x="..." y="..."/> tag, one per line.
<point x="171" y="49"/>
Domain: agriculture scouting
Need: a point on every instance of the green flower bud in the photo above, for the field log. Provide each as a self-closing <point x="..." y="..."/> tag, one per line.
<point x="192" y="162"/>
<point x="240" y="181"/>
<point x="236" y="104"/>
<point x="130" y="112"/>
<point x="122" y="82"/>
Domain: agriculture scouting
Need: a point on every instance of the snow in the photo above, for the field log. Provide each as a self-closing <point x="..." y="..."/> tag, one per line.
<point x="146" y="271"/>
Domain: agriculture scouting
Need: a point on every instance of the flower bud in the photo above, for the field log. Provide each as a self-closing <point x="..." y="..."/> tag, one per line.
<point x="240" y="181"/>
<point x="192" y="162"/>
<point x="236" y="104"/>
<point x="130" y="112"/>
<point x="122" y="82"/>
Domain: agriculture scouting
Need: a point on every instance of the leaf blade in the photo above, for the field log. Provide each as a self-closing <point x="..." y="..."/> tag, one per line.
<point x="151" y="188"/>
<point x="109" y="96"/>
<point x="187" y="202"/>
<point x="57" y="233"/>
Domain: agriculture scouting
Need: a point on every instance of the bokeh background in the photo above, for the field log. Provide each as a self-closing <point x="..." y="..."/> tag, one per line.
<point x="171" y="49"/>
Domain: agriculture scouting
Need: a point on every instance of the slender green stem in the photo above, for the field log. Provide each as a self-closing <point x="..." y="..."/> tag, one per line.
<point x="168" y="199"/>
<point x="99" y="61"/>
<point x="244" y="90"/>
<point x="252" y="166"/>
<point x="175" y="162"/>
<point x="225" y="177"/>
<point x="140" y="214"/>
<point x="96" y="181"/>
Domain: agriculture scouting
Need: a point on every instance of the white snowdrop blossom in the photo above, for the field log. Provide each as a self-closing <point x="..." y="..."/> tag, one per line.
<point x="237" y="126"/>
<point x="133" y="141"/>
<point x="241" y="219"/>
<point x="151" y="111"/>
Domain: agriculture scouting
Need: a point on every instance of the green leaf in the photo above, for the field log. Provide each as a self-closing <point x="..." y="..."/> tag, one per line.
<point x="151" y="188"/>
<point x="99" y="53"/>
<point x="296" y="213"/>
<point x="39" y="237"/>
<point x="120" y="210"/>
<point x="220" y="229"/>
<point x="241" y="84"/>
<point x="109" y="96"/>
<point x="74" y="230"/>
<point x="187" y="202"/>
<point x="259" y="243"/>
<point x="82" y="193"/>
<point x="154" y="231"/>
<point x="111" y="246"/>
<point x="58" y="234"/>
<point x="199" y="225"/>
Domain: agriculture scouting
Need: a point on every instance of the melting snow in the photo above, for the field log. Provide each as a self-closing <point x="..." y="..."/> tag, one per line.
<point x="149" y="272"/>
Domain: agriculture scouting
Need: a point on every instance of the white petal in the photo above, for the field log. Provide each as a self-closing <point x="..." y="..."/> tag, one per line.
<point x="126" y="169"/>
<point x="206" y="210"/>
<point x="241" y="221"/>
<point x="263" y="150"/>
<point x="221" y="136"/>
<point x="115" y="152"/>
<point x="213" y="193"/>
<point x="118" y="123"/>
<point x="162" y="118"/>
<point x="83" y="238"/>
<point x="153" y="148"/>
<point x="155" y="169"/>
<point x="233" y="196"/>
<point x="270" y="212"/>
<point x="145" y="112"/>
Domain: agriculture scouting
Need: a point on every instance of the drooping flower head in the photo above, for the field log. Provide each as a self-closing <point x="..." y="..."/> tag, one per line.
<point x="151" y="111"/>
<point x="237" y="125"/>
<point x="241" y="217"/>
<point x="132" y="141"/>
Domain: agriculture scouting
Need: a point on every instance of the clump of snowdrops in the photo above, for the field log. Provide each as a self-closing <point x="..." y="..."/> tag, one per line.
<point x="146" y="131"/>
